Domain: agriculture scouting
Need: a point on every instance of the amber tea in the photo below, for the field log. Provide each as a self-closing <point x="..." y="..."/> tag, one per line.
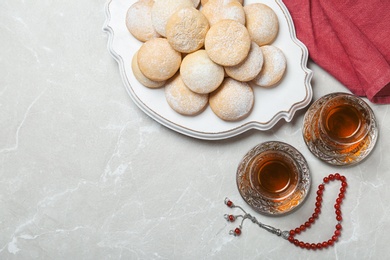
<point x="342" y="123"/>
<point x="274" y="175"/>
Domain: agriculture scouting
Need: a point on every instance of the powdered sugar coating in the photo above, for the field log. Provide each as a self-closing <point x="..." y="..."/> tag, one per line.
<point x="262" y="23"/>
<point x="274" y="67"/>
<point x="227" y="42"/>
<point x="183" y="100"/>
<point x="203" y="2"/>
<point x="157" y="60"/>
<point x="233" y="100"/>
<point x="141" y="77"/>
<point x="249" y="68"/>
<point x="229" y="45"/>
<point x="217" y="10"/>
<point x="186" y="29"/>
<point x="139" y="20"/>
<point x="163" y="9"/>
<point x="200" y="73"/>
<point x="195" y="3"/>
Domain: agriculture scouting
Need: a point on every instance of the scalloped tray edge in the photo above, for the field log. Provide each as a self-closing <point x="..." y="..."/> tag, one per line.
<point x="286" y="115"/>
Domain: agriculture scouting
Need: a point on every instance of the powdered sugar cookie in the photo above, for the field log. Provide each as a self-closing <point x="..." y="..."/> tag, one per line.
<point x="262" y="23"/>
<point x="233" y="100"/>
<point x="203" y="2"/>
<point x="141" y="77"/>
<point x="249" y="68"/>
<point x="139" y="20"/>
<point x="163" y="9"/>
<point x="217" y="10"/>
<point x="200" y="73"/>
<point x="157" y="60"/>
<point x="186" y="29"/>
<point x="227" y="42"/>
<point x="274" y="67"/>
<point x="195" y="3"/>
<point x="183" y="100"/>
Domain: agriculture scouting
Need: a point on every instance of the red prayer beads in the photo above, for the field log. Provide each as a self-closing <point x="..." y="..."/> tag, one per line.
<point x="316" y="213"/>
<point x="290" y="235"/>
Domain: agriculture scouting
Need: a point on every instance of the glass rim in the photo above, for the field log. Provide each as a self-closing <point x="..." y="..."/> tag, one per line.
<point x="356" y="104"/>
<point x="286" y="159"/>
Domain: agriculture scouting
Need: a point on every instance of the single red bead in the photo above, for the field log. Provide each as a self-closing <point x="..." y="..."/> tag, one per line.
<point x="313" y="246"/>
<point x="339" y="200"/>
<point x="292" y="232"/>
<point x="331" y="177"/>
<point x="344" y="184"/>
<point x="337" y="176"/>
<point x="311" y="220"/>
<point x="231" y="218"/>
<point x="307" y="245"/>
<point x="319" y="198"/>
<point x="326" y="179"/>
<point x="296" y="242"/>
<point x="343" y="189"/>
<point x="318" y="204"/>
<point x="319" y="245"/>
<point x="335" y="238"/>
<point x="291" y="239"/>
<point x="229" y="203"/>
<point x="338" y="212"/>
<point x="301" y="244"/>
<point x="321" y="187"/>
<point x="320" y="192"/>
<point x="337" y="233"/>
<point x="297" y="231"/>
<point x="341" y="195"/>
<point x="325" y="244"/>
<point x="342" y="178"/>
<point x="315" y="215"/>
<point x="317" y="210"/>
<point x="337" y="206"/>
<point x="302" y="227"/>
<point x="237" y="231"/>
<point x="338" y="226"/>
<point x="339" y="218"/>
<point x="307" y="224"/>
<point x="330" y="242"/>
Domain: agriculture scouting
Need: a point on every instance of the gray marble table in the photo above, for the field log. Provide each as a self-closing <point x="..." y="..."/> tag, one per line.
<point x="85" y="174"/>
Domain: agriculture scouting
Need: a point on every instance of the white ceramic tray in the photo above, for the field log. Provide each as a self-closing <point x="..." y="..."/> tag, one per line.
<point x="271" y="105"/>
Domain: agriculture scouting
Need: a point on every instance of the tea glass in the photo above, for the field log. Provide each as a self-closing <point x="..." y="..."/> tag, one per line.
<point x="274" y="178"/>
<point x="340" y="129"/>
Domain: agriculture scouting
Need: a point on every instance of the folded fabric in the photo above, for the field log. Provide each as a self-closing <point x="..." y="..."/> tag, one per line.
<point x="350" y="39"/>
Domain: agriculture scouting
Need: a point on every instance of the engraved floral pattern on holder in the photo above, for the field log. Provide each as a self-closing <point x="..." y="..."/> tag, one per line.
<point x="269" y="206"/>
<point x="329" y="154"/>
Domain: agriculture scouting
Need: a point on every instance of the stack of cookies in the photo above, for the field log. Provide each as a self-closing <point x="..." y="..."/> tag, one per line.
<point x="209" y="53"/>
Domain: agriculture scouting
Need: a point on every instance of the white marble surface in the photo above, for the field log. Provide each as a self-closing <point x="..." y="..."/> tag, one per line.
<point x="84" y="174"/>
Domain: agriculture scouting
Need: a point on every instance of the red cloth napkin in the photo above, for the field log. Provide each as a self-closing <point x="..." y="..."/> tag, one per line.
<point x="350" y="39"/>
